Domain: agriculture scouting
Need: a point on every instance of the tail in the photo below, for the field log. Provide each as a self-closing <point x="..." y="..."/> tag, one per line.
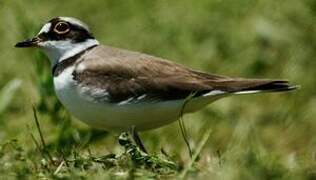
<point x="249" y="86"/>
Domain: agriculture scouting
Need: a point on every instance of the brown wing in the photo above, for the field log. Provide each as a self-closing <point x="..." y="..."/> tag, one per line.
<point x="125" y="74"/>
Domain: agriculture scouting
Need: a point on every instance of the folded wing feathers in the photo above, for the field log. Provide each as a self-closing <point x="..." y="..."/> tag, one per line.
<point x="126" y="74"/>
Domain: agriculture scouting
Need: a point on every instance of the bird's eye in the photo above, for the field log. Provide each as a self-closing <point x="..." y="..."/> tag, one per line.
<point x="61" y="28"/>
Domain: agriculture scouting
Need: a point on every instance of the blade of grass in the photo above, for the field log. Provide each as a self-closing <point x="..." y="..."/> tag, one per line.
<point x="37" y="145"/>
<point x="44" y="147"/>
<point x="7" y="93"/>
<point x="199" y="148"/>
<point x="182" y="125"/>
<point x="59" y="167"/>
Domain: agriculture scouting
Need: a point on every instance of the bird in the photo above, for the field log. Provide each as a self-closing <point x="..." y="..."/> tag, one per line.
<point x="125" y="91"/>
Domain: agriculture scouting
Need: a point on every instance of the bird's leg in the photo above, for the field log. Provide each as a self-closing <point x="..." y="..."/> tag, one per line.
<point x="137" y="139"/>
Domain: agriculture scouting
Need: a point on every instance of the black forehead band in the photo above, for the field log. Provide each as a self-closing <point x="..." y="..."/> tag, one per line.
<point x="76" y="34"/>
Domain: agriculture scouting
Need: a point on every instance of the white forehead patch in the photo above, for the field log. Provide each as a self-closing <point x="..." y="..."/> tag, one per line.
<point x="45" y="28"/>
<point x="74" y="21"/>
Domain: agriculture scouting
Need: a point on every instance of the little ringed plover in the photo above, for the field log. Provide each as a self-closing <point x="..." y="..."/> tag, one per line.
<point x="116" y="90"/>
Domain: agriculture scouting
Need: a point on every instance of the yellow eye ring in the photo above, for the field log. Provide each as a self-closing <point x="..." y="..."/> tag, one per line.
<point x="61" y="28"/>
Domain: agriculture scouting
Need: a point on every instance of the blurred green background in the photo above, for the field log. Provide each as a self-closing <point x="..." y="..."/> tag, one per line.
<point x="257" y="136"/>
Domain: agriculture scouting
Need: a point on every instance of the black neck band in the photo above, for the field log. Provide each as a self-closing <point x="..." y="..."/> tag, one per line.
<point x="61" y="66"/>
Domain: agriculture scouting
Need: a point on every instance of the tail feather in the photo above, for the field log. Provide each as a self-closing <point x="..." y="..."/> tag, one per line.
<point x="248" y="86"/>
<point x="272" y="86"/>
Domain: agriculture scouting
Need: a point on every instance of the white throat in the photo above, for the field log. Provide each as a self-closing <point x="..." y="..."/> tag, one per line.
<point x="58" y="51"/>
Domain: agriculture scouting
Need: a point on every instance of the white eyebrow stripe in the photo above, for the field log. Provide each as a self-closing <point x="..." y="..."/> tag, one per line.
<point x="45" y="28"/>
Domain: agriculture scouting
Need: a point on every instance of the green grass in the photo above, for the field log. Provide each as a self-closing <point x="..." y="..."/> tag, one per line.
<point x="269" y="136"/>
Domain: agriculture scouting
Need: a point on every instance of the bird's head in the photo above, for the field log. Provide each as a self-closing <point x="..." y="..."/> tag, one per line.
<point x="61" y="38"/>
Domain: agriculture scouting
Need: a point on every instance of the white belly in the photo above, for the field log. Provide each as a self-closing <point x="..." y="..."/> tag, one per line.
<point x="120" y="117"/>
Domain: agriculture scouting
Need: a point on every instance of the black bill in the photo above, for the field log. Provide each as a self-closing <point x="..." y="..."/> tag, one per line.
<point x="29" y="42"/>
